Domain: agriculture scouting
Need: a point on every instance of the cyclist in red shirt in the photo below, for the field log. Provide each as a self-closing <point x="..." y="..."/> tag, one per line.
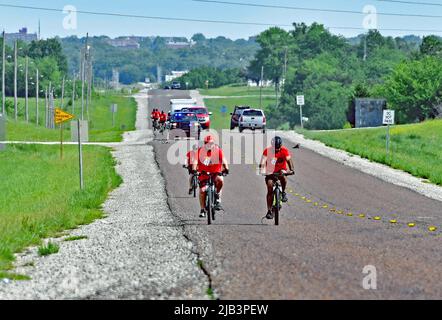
<point x="163" y="117"/>
<point x="190" y="159"/>
<point x="275" y="160"/>
<point x="155" y="116"/>
<point x="210" y="158"/>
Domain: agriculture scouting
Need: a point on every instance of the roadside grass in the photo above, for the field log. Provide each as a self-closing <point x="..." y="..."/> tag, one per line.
<point x="415" y="148"/>
<point x="100" y="125"/>
<point x="41" y="197"/>
<point x="13" y="276"/>
<point x="237" y="91"/>
<point x="48" y="249"/>
<point x="222" y="121"/>
<point x="75" y="238"/>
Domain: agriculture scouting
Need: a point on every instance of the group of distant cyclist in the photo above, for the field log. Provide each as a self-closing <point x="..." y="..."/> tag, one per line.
<point x="208" y="163"/>
<point x="159" y="120"/>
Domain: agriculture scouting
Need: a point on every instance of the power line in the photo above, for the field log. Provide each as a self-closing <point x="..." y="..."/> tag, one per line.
<point x="116" y="14"/>
<point x="271" y="6"/>
<point x="413" y="2"/>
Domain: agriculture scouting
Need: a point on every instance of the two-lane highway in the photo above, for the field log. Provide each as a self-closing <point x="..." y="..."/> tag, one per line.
<point x="329" y="232"/>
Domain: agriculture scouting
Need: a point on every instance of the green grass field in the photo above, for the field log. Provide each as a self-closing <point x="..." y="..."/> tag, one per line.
<point x="237" y="91"/>
<point x="415" y="148"/>
<point x="100" y="126"/>
<point x="222" y="121"/>
<point x="40" y="194"/>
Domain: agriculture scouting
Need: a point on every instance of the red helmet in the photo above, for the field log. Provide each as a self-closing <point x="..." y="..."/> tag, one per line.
<point x="209" y="139"/>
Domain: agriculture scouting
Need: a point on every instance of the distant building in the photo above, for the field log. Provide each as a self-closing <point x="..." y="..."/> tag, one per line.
<point x="127" y="43"/>
<point x="179" y="44"/>
<point x="175" y="75"/>
<point x="22" y="35"/>
<point x="265" y="83"/>
<point x="115" y="83"/>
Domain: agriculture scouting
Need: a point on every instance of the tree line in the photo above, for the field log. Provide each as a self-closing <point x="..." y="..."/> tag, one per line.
<point x="331" y="71"/>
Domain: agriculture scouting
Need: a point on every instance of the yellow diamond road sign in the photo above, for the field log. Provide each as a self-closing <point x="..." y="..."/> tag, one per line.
<point x="61" y="116"/>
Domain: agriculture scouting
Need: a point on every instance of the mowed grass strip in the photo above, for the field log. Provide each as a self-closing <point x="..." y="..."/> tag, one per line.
<point x="237" y="91"/>
<point x="222" y="121"/>
<point x="40" y="194"/>
<point x="100" y="125"/>
<point x="415" y="148"/>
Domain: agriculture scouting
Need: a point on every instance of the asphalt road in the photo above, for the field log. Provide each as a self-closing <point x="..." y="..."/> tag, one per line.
<point x="315" y="253"/>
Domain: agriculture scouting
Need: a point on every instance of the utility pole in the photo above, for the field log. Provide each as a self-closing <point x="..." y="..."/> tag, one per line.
<point x="62" y="92"/>
<point x="3" y="75"/>
<point x="285" y="64"/>
<point x="46" y="107"/>
<point x="37" y="89"/>
<point x="88" y="77"/>
<point x="260" y="87"/>
<point x="26" y="90"/>
<point x="365" y="48"/>
<point x="15" y="82"/>
<point x="73" y="94"/>
<point x="84" y="59"/>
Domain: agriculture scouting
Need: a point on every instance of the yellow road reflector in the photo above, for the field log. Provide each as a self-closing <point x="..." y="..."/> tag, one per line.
<point x="316" y="204"/>
<point x="61" y="116"/>
<point x="362" y="215"/>
<point x="308" y="201"/>
<point x="393" y="221"/>
<point x="411" y="224"/>
<point x="432" y="228"/>
<point x="377" y="218"/>
<point x="340" y="212"/>
<point x="325" y="206"/>
<point x="303" y="198"/>
<point x="297" y="194"/>
<point x="290" y="190"/>
<point x="332" y="210"/>
<point x="350" y="214"/>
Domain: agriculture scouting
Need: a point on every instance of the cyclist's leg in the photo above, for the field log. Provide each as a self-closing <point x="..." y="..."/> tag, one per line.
<point x="203" y="190"/>
<point x="269" y="183"/>
<point x="219" y="183"/>
<point x="283" y="185"/>
<point x="283" y="182"/>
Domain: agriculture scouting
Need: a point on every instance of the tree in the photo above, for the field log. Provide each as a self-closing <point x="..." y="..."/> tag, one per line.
<point x="432" y="46"/>
<point x="414" y="89"/>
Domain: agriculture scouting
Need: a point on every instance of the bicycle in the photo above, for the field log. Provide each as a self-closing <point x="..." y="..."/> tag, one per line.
<point x="277" y="194"/>
<point x="155" y="125"/>
<point x="194" y="182"/>
<point x="210" y="195"/>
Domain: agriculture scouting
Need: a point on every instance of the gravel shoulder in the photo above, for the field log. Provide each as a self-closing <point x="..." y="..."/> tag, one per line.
<point x="137" y="252"/>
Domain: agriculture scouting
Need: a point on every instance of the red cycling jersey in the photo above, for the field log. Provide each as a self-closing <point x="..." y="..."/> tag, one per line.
<point x="156" y="115"/>
<point x="276" y="162"/>
<point x="210" y="161"/>
<point x="163" y="117"/>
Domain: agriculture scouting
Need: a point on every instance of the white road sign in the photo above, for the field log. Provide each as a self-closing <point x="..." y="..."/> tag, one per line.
<point x="388" y="117"/>
<point x="300" y="100"/>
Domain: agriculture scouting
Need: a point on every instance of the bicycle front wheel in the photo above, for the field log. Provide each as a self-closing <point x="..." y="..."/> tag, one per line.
<point x="209" y="206"/>
<point x="277" y="205"/>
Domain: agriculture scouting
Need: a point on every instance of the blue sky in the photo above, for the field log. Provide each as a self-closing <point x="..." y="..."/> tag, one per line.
<point x="11" y="19"/>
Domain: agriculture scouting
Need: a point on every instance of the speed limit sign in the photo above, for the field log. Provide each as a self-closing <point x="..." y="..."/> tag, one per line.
<point x="388" y="117"/>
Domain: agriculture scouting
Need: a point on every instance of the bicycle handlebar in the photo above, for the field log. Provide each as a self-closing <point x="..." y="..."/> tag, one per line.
<point x="278" y="174"/>
<point x="204" y="173"/>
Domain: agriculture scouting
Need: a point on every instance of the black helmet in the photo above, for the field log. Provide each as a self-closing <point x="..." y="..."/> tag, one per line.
<point x="277" y="142"/>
